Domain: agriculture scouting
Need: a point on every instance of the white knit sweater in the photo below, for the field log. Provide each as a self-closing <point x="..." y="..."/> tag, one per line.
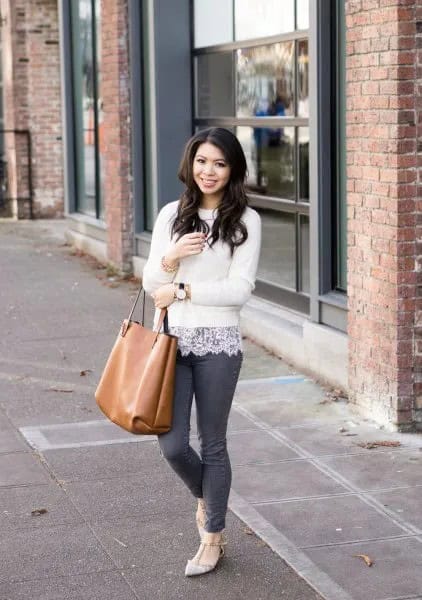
<point x="220" y="283"/>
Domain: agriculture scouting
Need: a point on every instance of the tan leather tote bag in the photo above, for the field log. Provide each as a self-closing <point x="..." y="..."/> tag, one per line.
<point x="136" y="388"/>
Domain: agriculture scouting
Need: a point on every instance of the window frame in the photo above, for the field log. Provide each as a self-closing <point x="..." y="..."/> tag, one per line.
<point x="340" y="201"/>
<point x="328" y="305"/>
<point x="99" y="206"/>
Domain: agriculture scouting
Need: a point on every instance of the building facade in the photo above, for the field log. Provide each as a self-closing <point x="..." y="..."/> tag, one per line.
<point x="324" y="97"/>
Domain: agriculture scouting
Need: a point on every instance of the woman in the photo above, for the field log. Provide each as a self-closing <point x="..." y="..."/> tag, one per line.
<point x="202" y="266"/>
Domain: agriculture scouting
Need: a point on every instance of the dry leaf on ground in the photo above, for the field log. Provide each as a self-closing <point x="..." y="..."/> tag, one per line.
<point x="370" y="445"/>
<point x="84" y="372"/>
<point x="111" y="284"/>
<point x="368" y="561"/>
<point x="53" y="389"/>
<point x="38" y="511"/>
<point x="334" y="396"/>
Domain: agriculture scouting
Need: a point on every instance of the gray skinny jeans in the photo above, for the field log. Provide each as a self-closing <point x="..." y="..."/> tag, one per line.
<point x="212" y="379"/>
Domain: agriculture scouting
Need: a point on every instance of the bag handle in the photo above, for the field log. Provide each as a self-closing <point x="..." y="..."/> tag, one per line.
<point x="163" y="318"/>
<point x="141" y="289"/>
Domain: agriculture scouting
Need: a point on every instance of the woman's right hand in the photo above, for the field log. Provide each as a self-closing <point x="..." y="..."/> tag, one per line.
<point x="188" y="245"/>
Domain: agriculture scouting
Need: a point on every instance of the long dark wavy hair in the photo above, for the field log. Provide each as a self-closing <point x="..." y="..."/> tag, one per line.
<point x="228" y="225"/>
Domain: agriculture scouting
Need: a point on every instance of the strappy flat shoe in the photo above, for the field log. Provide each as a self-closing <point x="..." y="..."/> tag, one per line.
<point x="194" y="566"/>
<point x="201" y="517"/>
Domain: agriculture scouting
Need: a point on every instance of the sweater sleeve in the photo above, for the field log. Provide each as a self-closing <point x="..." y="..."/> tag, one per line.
<point x="237" y="287"/>
<point x="153" y="275"/>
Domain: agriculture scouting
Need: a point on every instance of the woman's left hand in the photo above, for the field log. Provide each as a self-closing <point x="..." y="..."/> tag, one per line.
<point x="164" y="296"/>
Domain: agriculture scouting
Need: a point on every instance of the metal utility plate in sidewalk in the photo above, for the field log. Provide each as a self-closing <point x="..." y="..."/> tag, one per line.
<point x="77" y="435"/>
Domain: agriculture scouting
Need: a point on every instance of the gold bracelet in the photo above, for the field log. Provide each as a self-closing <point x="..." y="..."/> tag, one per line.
<point x="166" y="267"/>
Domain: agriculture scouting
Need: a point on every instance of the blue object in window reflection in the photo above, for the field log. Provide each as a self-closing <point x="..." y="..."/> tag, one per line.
<point x="268" y="136"/>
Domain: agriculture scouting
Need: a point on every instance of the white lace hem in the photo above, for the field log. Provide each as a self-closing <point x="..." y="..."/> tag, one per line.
<point x="205" y="340"/>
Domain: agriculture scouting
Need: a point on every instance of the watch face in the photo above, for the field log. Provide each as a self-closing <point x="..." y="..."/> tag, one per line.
<point x="181" y="294"/>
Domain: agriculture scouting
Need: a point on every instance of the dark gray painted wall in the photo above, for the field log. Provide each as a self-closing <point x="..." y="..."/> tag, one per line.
<point x="172" y="22"/>
<point x="136" y="100"/>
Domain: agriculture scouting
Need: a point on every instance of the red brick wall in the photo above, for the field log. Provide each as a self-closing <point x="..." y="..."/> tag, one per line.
<point x="418" y="321"/>
<point x="382" y="206"/>
<point x="31" y="60"/>
<point x="116" y="132"/>
<point x="45" y="107"/>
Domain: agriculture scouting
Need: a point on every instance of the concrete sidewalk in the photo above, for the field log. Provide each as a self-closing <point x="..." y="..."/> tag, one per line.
<point x="119" y="525"/>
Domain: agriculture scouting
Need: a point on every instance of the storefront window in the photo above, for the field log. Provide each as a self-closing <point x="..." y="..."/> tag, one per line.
<point x="265" y="80"/>
<point x="86" y="55"/>
<point x="270" y="154"/>
<point x="278" y="248"/>
<point x="302" y="14"/>
<point x="215" y="85"/>
<point x="304" y="253"/>
<point x="279" y="232"/>
<point x="303" y="79"/>
<point x="303" y="177"/>
<point x="213" y="22"/>
<point x="256" y="19"/>
<point x="260" y="90"/>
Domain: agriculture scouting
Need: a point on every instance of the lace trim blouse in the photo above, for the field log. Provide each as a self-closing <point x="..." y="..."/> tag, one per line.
<point x="204" y="340"/>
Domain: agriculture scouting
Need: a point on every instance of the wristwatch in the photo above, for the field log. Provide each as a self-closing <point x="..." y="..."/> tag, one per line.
<point x="180" y="291"/>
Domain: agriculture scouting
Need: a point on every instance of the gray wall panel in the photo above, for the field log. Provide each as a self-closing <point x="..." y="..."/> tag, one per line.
<point x="172" y="37"/>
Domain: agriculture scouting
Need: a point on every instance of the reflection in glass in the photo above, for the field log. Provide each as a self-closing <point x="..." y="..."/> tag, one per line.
<point x="304" y="250"/>
<point x="86" y="104"/>
<point x="2" y="156"/>
<point x="100" y="112"/>
<point x="302" y="9"/>
<point x="213" y="22"/>
<point x="215" y="86"/>
<point x="265" y="85"/>
<point x="303" y="79"/>
<point x="277" y="262"/>
<point x="255" y="18"/>
<point x="3" y="185"/>
<point x="148" y="133"/>
<point x="270" y="156"/>
<point x="303" y="140"/>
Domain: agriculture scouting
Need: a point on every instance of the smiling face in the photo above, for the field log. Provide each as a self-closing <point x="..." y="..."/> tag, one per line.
<point x="211" y="172"/>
